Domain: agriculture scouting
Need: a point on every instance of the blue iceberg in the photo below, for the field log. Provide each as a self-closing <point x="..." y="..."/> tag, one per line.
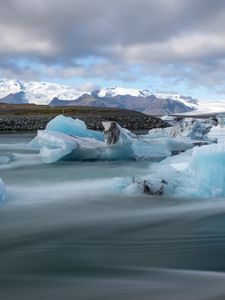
<point x="198" y="172"/>
<point x="205" y="173"/>
<point x="55" y="145"/>
<point x="73" y="127"/>
<point x="66" y="138"/>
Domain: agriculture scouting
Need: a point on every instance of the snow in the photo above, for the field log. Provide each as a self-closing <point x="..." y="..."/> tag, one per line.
<point x="39" y="92"/>
<point x="2" y="190"/>
<point x="10" y="87"/>
<point x="44" y="92"/>
<point x="119" y="91"/>
<point x="210" y="107"/>
<point x="188" y="101"/>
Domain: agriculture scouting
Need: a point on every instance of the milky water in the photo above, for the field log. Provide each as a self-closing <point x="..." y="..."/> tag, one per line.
<point x="66" y="233"/>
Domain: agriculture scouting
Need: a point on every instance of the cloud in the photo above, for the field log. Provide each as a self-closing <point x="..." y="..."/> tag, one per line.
<point x="154" y="36"/>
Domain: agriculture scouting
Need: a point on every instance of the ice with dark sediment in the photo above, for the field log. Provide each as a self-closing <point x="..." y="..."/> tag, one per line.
<point x="65" y="137"/>
<point x="196" y="171"/>
<point x="199" y="172"/>
<point x="70" y="139"/>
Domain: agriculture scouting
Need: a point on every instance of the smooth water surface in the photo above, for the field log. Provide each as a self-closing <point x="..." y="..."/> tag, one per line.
<point x="65" y="233"/>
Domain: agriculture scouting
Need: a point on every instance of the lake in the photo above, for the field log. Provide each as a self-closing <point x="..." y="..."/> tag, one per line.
<point x="65" y="233"/>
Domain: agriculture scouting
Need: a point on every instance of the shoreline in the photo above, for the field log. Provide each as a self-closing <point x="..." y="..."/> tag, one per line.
<point x="32" y="124"/>
<point x="14" y="118"/>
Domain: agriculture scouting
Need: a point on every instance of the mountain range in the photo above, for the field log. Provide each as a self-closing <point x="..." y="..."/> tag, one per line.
<point x="44" y="93"/>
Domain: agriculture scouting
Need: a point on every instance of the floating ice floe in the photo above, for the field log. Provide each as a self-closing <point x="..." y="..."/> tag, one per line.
<point x="55" y="145"/>
<point x="181" y="137"/>
<point x="198" y="172"/>
<point x="121" y="143"/>
<point x="2" y="190"/>
<point x="70" y="139"/>
<point x="205" y="176"/>
<point x="187" y="128"/>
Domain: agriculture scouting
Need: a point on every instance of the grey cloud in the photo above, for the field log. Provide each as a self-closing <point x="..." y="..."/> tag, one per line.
<point x="123" y="32"/>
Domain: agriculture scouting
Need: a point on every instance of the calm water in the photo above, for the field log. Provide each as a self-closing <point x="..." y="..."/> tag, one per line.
<point x="66" y="234"/>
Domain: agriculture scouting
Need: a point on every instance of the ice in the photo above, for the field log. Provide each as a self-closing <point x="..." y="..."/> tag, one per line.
<point x="190" y="128"/>
<point x="2" y="190"/>
<point x="150" y="149"/>
<point x="198" y="172"/>
<point x="206" y="172"/>
<point x="160" y="133"/>
<point x="198" y="131"/>
<point x="67" y="138"/>
<point x="114" y="134"/>
<point x="184" y="135"/>
<point x="74" y="127"/>
<point x="217" y="133"/>
<point x="55" y="145"/>
<point x="124" y="144"/>
<point x="119" y="143"/>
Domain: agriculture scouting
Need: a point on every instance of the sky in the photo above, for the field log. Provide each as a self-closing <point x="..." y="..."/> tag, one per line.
<point x="175" y="46"/>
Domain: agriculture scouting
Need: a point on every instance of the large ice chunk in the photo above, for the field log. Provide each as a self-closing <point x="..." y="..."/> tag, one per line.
<point x="190" y="128"/>
<point x="206" y="172"/>
<point x="121" y="143"/>
<point x="74" y="127"/>
<point x="55" y="145"/>
<point x="71" y="139"/>
<point x="2" y="190"/>
<point x="198" y="172"/>
<point x="217" y="133"/>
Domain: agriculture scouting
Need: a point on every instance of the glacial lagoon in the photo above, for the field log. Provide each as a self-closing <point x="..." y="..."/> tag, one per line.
<point x="71" y="229"/>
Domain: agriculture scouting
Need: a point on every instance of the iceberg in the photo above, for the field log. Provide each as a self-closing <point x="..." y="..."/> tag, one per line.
<point x="189" y="128"/>
<point x="183" y="136"/>
<point x="55" y="145"/>
<point x="206" y="172"/>
<point x="198" y="172"/>
<point x="217" y="133"/>
<point x="66" y="138"/>
<point x="2" y="190"/>
<point x="115" y="144"/>
<point x="122" y="143"/>
<point x="73" y="127"/>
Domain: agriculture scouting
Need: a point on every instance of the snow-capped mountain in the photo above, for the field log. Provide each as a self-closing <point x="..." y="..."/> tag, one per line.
<point x="119" y="91"/>
<point x="38" y="92"/>
<point x="186" y="100"/>
<point x="17" y="92"/>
